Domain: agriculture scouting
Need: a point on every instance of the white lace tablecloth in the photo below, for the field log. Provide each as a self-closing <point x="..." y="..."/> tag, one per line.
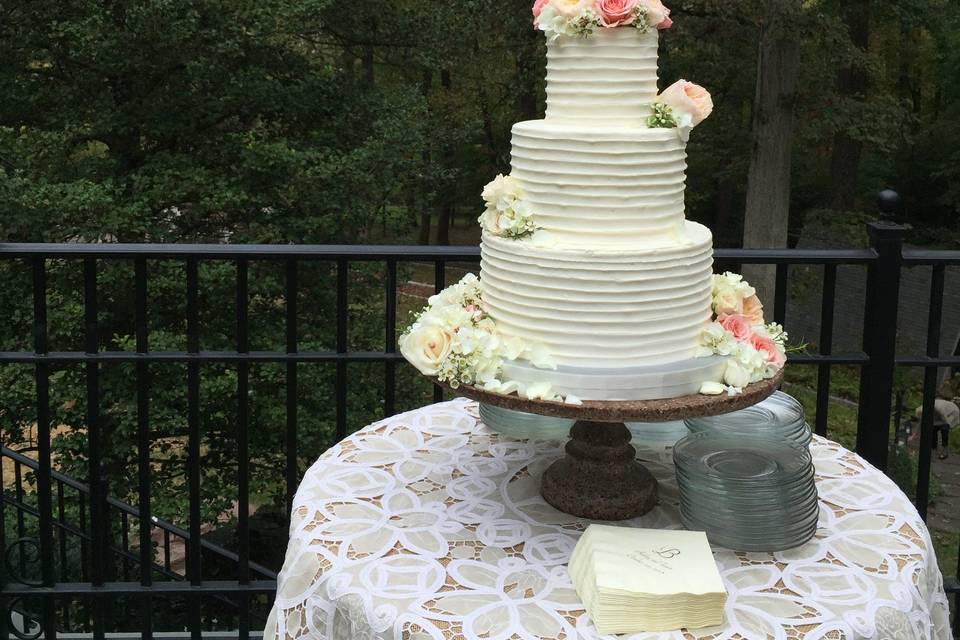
<point x="428" y="526"/>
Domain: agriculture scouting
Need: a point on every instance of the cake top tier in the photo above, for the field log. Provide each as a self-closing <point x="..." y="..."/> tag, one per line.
<point x="608" y="78"/>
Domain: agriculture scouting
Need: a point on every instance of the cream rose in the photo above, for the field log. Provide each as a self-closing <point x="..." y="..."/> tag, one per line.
<point x="692" y="102"/>
<point x="727" y="302"/>
<point x="426" y="348"/>
<point x="571" y="8"/>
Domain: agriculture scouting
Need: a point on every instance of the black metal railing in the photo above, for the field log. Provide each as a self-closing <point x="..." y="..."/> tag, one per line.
<point x="147" y="585"/>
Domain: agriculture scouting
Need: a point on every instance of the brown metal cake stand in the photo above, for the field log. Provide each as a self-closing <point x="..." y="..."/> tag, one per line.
<point x="600" y="477"/>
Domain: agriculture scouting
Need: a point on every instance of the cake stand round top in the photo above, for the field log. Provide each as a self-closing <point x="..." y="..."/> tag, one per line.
<point x="667" y="410"/>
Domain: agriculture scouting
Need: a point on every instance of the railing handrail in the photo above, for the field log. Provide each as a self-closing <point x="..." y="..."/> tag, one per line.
<point x="356" y="252"/>
<point x="130" y="510"/>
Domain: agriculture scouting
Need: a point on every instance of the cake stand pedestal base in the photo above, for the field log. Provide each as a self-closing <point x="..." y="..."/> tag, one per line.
<point x="599" y="478"/>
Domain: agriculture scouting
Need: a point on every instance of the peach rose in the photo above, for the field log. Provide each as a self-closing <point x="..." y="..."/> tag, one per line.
<point x="766" y="346"/>
<point x="753" y="309"/>
<point x="688" y="99"/>
<point x="657" y="15"/>
<point x="739" y="325"/>
<point x="616" y="13"/>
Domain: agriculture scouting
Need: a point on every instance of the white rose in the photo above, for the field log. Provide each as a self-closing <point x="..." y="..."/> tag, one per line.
<point x="502" y="188"/>
<point x="736" y="375"/>
<point x="426" y="348"/>
<point x="492" y="221"/>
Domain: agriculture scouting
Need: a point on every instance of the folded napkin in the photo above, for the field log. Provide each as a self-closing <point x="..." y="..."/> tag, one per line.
<point x="635" y="580"/>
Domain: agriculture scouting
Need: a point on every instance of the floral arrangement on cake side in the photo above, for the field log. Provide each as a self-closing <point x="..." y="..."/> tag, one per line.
<point x="756" y="350"/>
<point x="454" y="340"/>
<point x="580" y="18"/>
<point x="507" y="214"/>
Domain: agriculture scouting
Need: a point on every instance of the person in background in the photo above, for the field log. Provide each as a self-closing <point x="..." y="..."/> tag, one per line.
<point x="946" y="413"/>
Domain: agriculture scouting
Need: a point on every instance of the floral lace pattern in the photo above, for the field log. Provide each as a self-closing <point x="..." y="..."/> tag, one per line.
<point x="429" y="526"/>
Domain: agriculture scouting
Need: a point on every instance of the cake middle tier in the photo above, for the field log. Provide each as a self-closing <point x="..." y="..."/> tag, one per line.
<point x="598" y="308"/>
<point x="616" y="187"/>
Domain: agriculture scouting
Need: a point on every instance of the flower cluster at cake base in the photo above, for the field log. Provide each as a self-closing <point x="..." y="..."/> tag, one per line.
<point x="454" y="340"/>
<point x="507" y="214"/>
<point x="580" y="18"/>
<point x="755" y="350"/>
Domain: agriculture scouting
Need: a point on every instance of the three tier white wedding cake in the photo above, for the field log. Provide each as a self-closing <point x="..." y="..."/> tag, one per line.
<point x="593" y="284"/>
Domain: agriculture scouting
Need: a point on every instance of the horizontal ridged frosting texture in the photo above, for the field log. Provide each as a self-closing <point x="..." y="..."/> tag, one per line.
<point x="605" y="309"/>
<point x="610" y="76"/>
<point x="602" y="187"/>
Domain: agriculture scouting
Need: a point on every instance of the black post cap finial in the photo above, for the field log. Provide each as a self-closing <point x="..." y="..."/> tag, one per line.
<point x="889" y="202"/>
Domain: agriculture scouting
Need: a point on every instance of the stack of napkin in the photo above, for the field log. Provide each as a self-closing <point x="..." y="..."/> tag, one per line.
<point x="635" y="580"/>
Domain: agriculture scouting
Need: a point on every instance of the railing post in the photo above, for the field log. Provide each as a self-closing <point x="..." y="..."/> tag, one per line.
<point x="880" y="333"/>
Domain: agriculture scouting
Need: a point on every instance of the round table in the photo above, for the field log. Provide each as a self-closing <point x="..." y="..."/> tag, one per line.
<point x="428" y="525"/>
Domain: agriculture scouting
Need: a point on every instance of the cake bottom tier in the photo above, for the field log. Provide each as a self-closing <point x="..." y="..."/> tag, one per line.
<point x="601" y="310"/>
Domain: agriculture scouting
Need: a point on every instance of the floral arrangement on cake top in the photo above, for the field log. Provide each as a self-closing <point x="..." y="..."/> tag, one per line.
<point x="454" y="340"/>
<point x="682" y="104"/>
<point x="755" y="349"/>
<point x="580" y="18"/>
<point x="507" y="214"/>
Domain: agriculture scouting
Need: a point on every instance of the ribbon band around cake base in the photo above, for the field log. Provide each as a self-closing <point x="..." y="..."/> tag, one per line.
<point x="657" y="382"/>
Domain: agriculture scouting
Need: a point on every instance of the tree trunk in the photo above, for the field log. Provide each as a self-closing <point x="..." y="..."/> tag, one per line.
<point x="851" y="83"/>
<point x="446" y="207"/>
<point x="768" y="183"/>
<point x="723" y="207"/>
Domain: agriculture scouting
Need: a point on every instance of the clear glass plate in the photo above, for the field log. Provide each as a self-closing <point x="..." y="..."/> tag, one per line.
<point x="731" y="457"/>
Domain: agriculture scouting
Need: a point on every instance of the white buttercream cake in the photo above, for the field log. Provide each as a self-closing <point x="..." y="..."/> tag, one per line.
<point x="615" y="283"/>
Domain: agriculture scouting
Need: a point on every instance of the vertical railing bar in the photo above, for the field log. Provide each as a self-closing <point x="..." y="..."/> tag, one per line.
<point x="4" y="569"/>
<point x="61" y="537"/>
<point x="166" y="549"/>
<point x="21" y="524"/>
<point x="439" y="283"/>
<point x="84" y="551"/>
<point x="780" y="297"/>
<point x="145" y="515"/>
<point x="827" y="308"/>
<point x="341" y="380"/>
<point x="99" y="556"/>
<point x="194" y="560"/>
<point x="125" y="544"/>
<point x="292" y="470"/>
<point x="62" y="544"/>
<point x="243" y="453"/>
<point x="44" y="484"/>
<point x="390" y="367"/>
<point x="934" y="321"/>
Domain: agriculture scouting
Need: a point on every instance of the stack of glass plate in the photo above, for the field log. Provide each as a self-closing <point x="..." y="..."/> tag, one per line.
<point x="747" y="494"/>
<point x="779" y="415"/>
<point x="524" y="426"/>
